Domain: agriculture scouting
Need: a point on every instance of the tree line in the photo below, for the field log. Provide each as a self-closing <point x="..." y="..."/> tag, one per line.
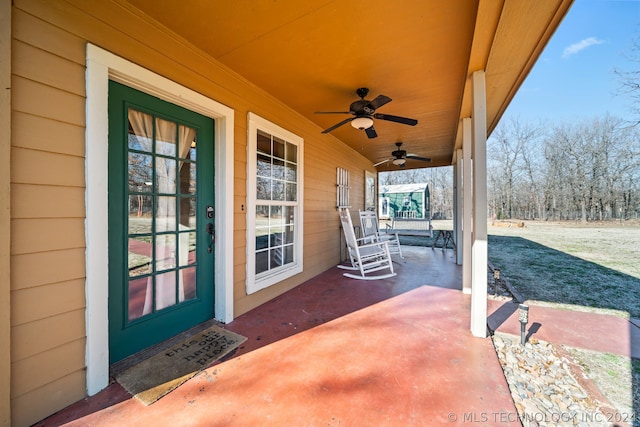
<point x="586" y="170"/>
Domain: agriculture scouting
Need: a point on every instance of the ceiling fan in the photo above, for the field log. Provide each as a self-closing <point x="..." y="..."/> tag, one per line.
<point x="400" y="157"/>
<point x="363" y="112"/>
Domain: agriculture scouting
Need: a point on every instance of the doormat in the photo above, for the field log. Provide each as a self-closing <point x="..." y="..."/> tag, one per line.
<point x="156" y="376"/>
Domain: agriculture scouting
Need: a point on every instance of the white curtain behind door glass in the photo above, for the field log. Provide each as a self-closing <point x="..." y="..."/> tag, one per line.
<point x="165" y="212"/>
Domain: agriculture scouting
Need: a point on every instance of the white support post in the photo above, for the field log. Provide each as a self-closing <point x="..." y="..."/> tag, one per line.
<point x="479" y="257"/>
<point x="457" y="205"/>
<point x="467" y="205"/>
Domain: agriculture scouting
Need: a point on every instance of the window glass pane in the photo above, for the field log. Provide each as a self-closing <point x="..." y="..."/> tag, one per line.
<point x="262" y="261"/>
<point x="288" y="254"/>
<point x="291" y="153"/>
<point x="264" y="143"/>
<point x="290" y="171"/>
<point x="291" y="195"/>
<point x="278" y="190"/>
<point x="288" y="234"/>
<point x="276" y="220"/>
<point x="276" y="257"/>
<point x="165" y="138"/>
<point x="263" y="166"/>
<point x="262" y="238"/>
<point x="140" y="173"/>
<point x="278" y="169"/>
<point x="278" y="147"/>
<point x="263" y="189"/>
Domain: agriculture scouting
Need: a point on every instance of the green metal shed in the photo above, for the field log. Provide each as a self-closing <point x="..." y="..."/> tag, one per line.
<point x="404" y="200"/>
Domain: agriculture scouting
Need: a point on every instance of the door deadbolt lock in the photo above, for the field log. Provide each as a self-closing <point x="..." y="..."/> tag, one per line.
<point x="210" y="212"/>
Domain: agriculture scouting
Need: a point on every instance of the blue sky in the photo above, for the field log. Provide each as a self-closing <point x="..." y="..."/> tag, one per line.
<point x="574" y="77"/>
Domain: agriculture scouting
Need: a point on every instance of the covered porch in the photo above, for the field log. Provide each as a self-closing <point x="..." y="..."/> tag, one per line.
<point x="338" y="351"/>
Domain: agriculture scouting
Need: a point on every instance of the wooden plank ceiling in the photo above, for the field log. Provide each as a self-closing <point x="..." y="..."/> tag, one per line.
<point x="312" y="55"/>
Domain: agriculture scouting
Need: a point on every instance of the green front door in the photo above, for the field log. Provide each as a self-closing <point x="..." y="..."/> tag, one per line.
<point x="161" y="217"/>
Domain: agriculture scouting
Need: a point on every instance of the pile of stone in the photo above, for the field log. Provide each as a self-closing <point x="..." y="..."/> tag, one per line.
<point x="544" y="391"/>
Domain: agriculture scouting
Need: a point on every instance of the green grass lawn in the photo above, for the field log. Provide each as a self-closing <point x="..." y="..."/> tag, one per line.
<point x="577" y="266"/>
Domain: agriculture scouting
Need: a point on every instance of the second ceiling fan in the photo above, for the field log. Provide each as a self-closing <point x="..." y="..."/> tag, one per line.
<point x="363" y="112"/>
<point x="400" y="156"/>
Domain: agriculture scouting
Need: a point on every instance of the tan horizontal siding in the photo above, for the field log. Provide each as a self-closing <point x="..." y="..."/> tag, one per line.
<point x="48" y="399"/>
<point x="45" y="101"/>
<point x="52" y="267"/>
<point x="40" y="167"/>
<point x="49" y="300"/>
<point x="31" y="201"/>
<point x="45" y="334"/>
<point x="43" y="134"/>
<point x="31" y="29"/>
<point x="56" y="363"/>
<point x="46" y="234"/>
<point x="47" y="68"/>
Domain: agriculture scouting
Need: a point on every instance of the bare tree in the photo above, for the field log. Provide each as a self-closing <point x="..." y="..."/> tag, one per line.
<point x="511" y="158"/>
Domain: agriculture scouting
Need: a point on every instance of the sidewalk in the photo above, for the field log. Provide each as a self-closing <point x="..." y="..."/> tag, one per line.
<point x="591" y="331"/>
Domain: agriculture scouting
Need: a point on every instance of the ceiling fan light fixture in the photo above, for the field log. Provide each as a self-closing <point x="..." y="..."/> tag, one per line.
<point x="399" y="162"/>
<point x="362" y="123"/>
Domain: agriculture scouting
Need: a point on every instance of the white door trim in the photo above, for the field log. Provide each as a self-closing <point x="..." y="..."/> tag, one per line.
<point x="102" y="66"/>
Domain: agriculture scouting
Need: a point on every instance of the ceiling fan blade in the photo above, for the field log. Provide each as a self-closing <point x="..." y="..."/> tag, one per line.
<point x="414" y="157"/>
<point x="397" y="119"/>
<point x="332" y="112"/>
<point x="371" y="132"/>
<point x="378" y="102"/>
<point x="344" y="122"/>
<point x="381" y="163"/>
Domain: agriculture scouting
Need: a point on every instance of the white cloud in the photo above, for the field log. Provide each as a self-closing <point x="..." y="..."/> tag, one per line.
<point x="582" y="44"/>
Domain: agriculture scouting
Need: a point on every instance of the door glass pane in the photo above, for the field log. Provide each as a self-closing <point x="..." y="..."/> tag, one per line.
<point x="189" y="283"/>
<point x="137" y="295"/>
<point x="165" y="138"/>
<point x="187" y="213"/>
<point x="165" y="251"/>
<point x="140" y="213"/>
<point x="165" y="214"/>
<point x="140" y="173"/>
<point x="165" y="175"/>
<point x="187" y="177"/>
<point x="165" y="289"/>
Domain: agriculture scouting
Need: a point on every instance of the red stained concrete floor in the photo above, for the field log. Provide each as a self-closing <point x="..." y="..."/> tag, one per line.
<point x="337" y="351"/>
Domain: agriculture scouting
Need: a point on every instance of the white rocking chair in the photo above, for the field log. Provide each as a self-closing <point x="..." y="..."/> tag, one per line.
<point x="371" y="233"/>
<point x="366" y="258"/>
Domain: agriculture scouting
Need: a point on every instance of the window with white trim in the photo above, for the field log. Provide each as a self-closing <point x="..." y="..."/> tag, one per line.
<point x="274" y="204"/>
